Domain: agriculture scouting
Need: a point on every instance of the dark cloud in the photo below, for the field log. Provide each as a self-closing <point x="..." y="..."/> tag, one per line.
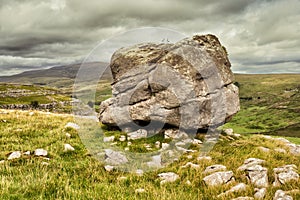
<point x="262" y="33"/>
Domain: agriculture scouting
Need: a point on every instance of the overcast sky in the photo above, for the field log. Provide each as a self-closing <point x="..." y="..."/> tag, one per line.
<point x="261" y="36"/>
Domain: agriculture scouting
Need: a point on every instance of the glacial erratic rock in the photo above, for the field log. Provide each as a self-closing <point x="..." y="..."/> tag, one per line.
<point x="188" y="84"/>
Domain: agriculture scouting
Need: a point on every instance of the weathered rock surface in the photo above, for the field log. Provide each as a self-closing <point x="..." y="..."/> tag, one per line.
<point x="188" y="84"/>
<point x="285" y="174"/>
<point x="40" y="152"/>
<point x="114" y="157"/>
<point x="281" y="195"/>
<point x="260" y="193"/>
<point x="218" y="178"/>
<point x="237" y="188"/>
<point x="141" y="133"/>
<point x="257" y="174"/>
<point x="214" y="168"/>
<point x="168" y="177"/>
<point x="14" y="155"/>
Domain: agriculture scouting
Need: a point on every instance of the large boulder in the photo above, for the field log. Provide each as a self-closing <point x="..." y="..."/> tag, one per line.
<point x="188" y="84"/>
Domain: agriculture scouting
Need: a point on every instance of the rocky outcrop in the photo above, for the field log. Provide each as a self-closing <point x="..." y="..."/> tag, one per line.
<point x="188" y="84"/>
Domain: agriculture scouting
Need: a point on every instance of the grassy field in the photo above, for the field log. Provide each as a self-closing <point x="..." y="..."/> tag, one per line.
<point x="269" y="104"/>
<point x="77" y="175"/>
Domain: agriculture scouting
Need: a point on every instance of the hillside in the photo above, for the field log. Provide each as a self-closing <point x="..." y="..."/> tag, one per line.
<point x="58" y="77"/>
<point x="75" y="174"/>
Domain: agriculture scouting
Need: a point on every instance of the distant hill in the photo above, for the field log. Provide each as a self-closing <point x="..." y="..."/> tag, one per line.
<point x="59" y="76"/>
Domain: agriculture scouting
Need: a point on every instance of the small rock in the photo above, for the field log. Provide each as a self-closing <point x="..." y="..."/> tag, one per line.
<point x="45" y="163"/>
<point x="204" y="158"/>
<point x="157" y="144"/>
<point x="156" y="161"/>
<point x="129" y="143"/>
<point x="174" y="134"/>
<point x="114" y="157"/>
<point x="165" y="146"/>
<point x="122" y="178"/>
<point x="109" y="168"/>
<point x="126" y="149"/>
<point x="140" y="190"/>
<point x="229" y="131"/>
<point x="191" y="165"/>
<point x="68" y="135"/>
<point x="31" y="113"/>
<point x="189" y="157"/>
<point x="14" y="155"/>
<point x="280" y="150"/>
<point x="27" y="153"/>
<point x="285" y="174"/>
<point x="168" y="177"/>
<point x="141" y="133"/>
<point x="139" y="172"/>
<point x="238" y="188"/>
<point x="218" y="178"/>
<point x="237" y="135"/>
<point x="40" y="152"/>
<point x="68" y="147"/>
<point x="244" y="198"/>
<point x="72" y="125"/>
<point x="281" y="195"/>
<point x="188" y="182"/>
<point x="214" y="168"/>
<point x="258" y="176"/>
<point x="2" y="161"/>
<point x="109" y="139"/>
<point x="250" y="162"/>
<point x="148" y="147"/>
<point x="264" y="149"/>
<point x="260" y="193"/>
<point x="122" y="138"/>
<point x="196" y="142"/>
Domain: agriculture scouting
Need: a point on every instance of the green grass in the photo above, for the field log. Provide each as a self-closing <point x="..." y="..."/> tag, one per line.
<point x="77" y="175"/>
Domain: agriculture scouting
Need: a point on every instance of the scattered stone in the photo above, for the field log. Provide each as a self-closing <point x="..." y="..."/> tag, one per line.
<point x="237" y="135"/>
<point x="72" y="125"/>
<point x="155" y="162"/>
<point x="228" y="131"/>
<point x="114" y="157"/>
<point x="249" y="163"/>
<point x="188" y="182"/>
<point x="204" y="158"/>
<point x="174" y="134"/>
<point x="244" y="198"/>
<point x="294" y="149"/>
<point x="122" y="178"/>
<point x="140" y="190"/>
<point x="126" y="149"/>
<point x="68" y="147"/>
<point x="68" y="135"/>
<point x="139" y="172"/>
<point x="2" y="161"/>
<point x="40" y="152"/>
<point x="264" y="149"/>
<point x="157" y="144"/>
<point x="260" y="193"/>
<point x="129" y="143"/>
<point x="14" y="155"/>
<point x="31" y="113"/>
<point x="258" y="176"/>
<point x="280" y="150"/>
<point x="109" y="139"/>
<point x="27" y="153"/>
<point x="45" y="163"/>
<point x="214" y="168"/>
<point x="122" y="138"/>
<point x="285" y="174"/>
<point x="238" y="188"/>
<point x="189" y="157"/>
<point x="165" y="146"/>
<point x="109" y="168"/>
<point x="196" y="142"/>
<point x="168" y="177"/>
<point x="281" y="195"/>
<point x="191" y="165"/>
<point x="218" y="178"/>
<point x="139" y="134"/>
